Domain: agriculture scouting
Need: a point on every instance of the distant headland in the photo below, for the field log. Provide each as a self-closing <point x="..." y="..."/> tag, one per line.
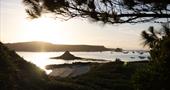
<point x="37" y="46"/>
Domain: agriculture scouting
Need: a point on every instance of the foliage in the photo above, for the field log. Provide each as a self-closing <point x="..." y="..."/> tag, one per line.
<point x="155" y="76"/>
<point x="18" y="74"/>
<point x="106" y="11"/>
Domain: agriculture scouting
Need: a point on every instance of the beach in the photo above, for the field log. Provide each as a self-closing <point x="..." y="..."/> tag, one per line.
<point x="70" y="71"/>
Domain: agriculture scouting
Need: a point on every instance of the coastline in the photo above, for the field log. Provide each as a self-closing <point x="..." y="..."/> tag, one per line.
<point x="80" y="68"/>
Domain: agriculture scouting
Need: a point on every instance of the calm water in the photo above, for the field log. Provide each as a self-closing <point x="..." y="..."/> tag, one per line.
<point x="42" y="59"/>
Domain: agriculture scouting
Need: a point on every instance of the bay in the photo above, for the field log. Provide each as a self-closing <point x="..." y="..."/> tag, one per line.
<point x="41" y="59"/>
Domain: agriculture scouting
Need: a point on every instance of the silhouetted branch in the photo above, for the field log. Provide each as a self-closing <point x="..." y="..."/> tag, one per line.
<point x="107" y="11"/>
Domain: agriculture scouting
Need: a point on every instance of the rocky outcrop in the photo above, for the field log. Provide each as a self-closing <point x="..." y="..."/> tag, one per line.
<point x="67" y="56"/>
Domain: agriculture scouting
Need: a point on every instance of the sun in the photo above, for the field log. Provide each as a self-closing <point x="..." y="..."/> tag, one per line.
<point x="46" y="29"/>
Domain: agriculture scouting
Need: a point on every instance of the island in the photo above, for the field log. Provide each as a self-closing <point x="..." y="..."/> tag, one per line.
<point x="67" y="56"/>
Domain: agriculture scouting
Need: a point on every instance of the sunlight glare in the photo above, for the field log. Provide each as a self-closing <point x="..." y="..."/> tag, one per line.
<point x="46" y="29"/>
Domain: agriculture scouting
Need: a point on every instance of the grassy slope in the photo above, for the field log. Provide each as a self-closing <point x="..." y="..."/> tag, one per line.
<point x="18" y="74"/>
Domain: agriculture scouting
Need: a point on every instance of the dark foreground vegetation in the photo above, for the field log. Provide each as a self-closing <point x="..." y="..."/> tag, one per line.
<point x="156" y="75"/>
<point x="18" y="74"/>
<point x="108" y="76"/>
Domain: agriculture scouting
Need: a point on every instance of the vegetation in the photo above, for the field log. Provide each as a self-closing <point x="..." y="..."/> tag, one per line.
<point x="155" y="76"/>
<point x="18" y="74"/>
<point x="103" y="76"/>
<point x="106" y="11"/>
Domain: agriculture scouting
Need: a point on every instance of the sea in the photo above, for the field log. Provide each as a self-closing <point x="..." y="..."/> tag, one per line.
<point x="41" y="59"/>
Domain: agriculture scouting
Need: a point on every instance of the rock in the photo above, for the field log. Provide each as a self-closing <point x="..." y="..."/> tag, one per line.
<point x="67" y="56"/>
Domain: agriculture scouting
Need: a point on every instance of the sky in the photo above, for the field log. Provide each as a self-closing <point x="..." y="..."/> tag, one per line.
<point x="15" y="26"/>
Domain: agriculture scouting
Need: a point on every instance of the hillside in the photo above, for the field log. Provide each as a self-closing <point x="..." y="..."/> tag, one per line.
<point x="48" y="47"/>
<point x="18" y="74"/>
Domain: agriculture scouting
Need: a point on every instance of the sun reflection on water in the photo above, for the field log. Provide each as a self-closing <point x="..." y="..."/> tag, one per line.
<point x="41" y="59"/>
